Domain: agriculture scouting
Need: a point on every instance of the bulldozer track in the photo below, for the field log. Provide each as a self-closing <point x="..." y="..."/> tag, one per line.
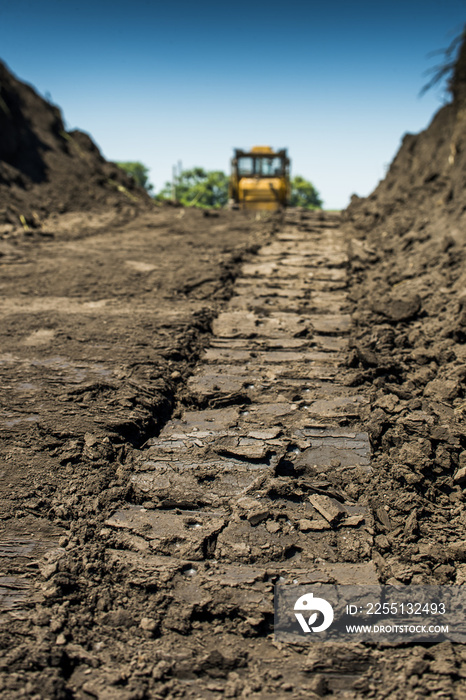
<point x="239" y="491"/>
<point x="250" y="483"/>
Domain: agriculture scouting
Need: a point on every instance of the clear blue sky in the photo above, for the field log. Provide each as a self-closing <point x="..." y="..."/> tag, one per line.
<point x="335" y="81"/>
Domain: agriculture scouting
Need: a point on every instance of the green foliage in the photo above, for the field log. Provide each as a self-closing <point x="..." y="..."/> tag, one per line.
<point x="445" y="71"/>
<point x="199" y="188"/>
<point x="138" y="172"/>
<point x="209" y="190"/>
<point x="304" y="194"/>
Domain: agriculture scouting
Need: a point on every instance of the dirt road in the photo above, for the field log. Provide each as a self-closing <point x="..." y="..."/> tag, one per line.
<point x="185" y="428"/>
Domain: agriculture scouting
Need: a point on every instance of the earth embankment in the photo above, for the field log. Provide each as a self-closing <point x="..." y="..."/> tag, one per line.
<point x="407" y="244"/>
<point x="45" y="169"/>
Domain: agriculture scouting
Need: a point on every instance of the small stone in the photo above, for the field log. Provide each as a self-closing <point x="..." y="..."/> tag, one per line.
<point x="305" y="525"/>
<point x="162" y="669"/>
<point x="258" y="516"/>
<point x="42" y="618"/>
<point x="275" y="674"/>
<point x="175" y="375"/>
<point x="388" y="402"/>
<point x="460" y="476"/>
<point x="148" y="624"/>
<point x="318" y="524"/>
<point x="55" y="625"/>
<point x="150" y="505"/>
<point x="119" y="618"/>
<point x="60" y="640"/>
<point x="411" y="527"/>
<point x="328" y="507"/>
<point x="352" y="521"/>
<point x="461" y="575"/>
<point x="47" y="570"/>
<point x="255" y="621"/>
<point x="398" y="309"/>
<point x="382" y="517"/>
<point x="49" y="591"/>
<point x="317" y="685"/>
<point x="215" y="687"/>
<point x="444" y="573"/>
<point x="457" y="550"/>
<point x="90" y="440"/>
<point x="255" y="511"/>
<point x="442" y="389"/>
<point x="381" y="541"/>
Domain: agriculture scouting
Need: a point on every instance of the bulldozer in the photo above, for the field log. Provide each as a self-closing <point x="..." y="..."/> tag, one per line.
<point x="260" y="179"/>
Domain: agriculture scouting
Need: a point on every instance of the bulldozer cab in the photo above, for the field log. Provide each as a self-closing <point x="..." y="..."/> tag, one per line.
<point x="260" y="178"/>
<point x="260" y="166"/>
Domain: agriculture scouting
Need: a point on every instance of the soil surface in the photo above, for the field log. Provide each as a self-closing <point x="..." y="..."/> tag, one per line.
<point x="101" y="328"/>
<point x="198" y="406"/>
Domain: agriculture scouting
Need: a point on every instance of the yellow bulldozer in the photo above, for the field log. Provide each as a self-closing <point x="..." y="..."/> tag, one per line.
<point x="260" y="179"/>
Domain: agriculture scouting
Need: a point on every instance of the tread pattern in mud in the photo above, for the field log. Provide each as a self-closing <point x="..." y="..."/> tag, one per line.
<point x="252" y="483"/>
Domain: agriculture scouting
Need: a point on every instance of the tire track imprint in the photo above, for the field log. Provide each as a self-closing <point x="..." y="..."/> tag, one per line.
<point x="255" y="481"/>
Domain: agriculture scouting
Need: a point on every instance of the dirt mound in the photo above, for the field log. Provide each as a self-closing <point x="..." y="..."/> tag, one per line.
<point x="408" y="247"/>
<point x="424" y="189"/>
<point x="44" y="168"/>
<point x="408" y="244"/>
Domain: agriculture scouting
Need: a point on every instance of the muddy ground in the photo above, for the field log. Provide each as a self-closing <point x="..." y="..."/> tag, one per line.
<point x="104" y="339"/>
<point x="101" y="327"/>
<point x="195" y="407"/>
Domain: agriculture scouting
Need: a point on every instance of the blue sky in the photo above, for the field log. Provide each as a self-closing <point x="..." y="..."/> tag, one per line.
<point x="335" y="82"/>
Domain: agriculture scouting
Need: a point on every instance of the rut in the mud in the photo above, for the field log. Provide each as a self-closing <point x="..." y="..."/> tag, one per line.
<point x="257" y="481"/>
<point x="273" y="423"/>
<point x="134" y="571"/>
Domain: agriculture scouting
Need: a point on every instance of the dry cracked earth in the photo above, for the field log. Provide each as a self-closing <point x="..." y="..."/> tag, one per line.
<point x="184" y="428"/>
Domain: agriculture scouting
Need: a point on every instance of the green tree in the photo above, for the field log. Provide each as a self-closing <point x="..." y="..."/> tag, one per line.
<point x="304" y="194"/>
<point x="199" y="188"/>
<point x="139" y="172"/>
